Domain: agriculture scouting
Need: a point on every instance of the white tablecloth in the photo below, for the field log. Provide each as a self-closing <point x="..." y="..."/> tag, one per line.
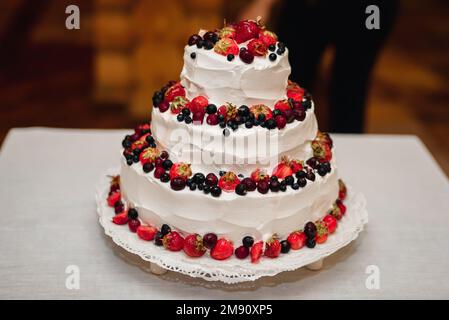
<point x="48" y="222"/>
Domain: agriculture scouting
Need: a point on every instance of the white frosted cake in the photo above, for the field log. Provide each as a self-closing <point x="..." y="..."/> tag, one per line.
<point x="232" y="162"/>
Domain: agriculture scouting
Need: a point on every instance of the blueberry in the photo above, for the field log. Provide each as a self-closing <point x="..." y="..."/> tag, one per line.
<point x="243" y="110"/>
<point x="200" y="186"/>
<point x="230" y="57"/>
<point x="272" y="47"/>
<point x="322" y="170"/>
<point x="208" y="45"/>
<point x="167" y="164"/>
<point x="248" y="241"/>
<point x="280" y="51"/>
<point x="289" y="180"/>
<point x="199" y="178"/>
<point x="302" y="182"/>
<point x="283" y="186"/>
<point x="271" y="124"/>
<point x="248" y="124"/>
<point x="206" y="189"/>
<point x="221" y="173"/>
<point x="261" y="117"/>
<point x="165" y="229"/>
<point x="310" y="243"/>
<point x="188" y="119"/>
<point x="221" y="118"/>
<point x="310" y="230"/>
<point x="272" y="56"/>
<point x="180" y="117"/>
<point x="240" y="189"/>
<point x="295" y="186"/>
<point x="274" y="178"/>
<point x="215" y="191"/>
<point x="129" y="162"/>
<point x="274" y="185"/>
<point x="300" y="174"/>
<point x="199" y="44"/>
<point x="307" y="104"/>
<point x="222" y="124"/>
<point x="158" y="238"/>
<point x="165" y="177"/>
<point x="136" y="158"/>
<point x="193" y="55"/>
<point x="285" y="246"/>
<point x="126" y="143"/>
<point x="185" y="112"/>
<point x="192" y="186"/>
<point x="148" y="167"/>
<point x="310" y="176"/>
<point x="132" y="214"/>
<point x="281" y="45"/>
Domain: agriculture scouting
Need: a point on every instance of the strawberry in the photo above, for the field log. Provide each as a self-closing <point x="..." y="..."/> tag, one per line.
<point x="321" y="150"/>
<point x="325" y="138"/>
<point x="138" y="144"/>
<point x="246" y="30"/>
<point x="178" y="104"/>
<point x="222" y="250"/>
<point x="259" y="175"/>
<point x="228" y="181"/>
<point x="322" y="232"/>
<point x="174" y="91"/>
<point x="227" y="32"/>
<point x="228" y="111"/>
<point x="226" y="46"/>
<point x="341" y="206"/>
<point x="282" y="170"/>
<point x="193" y="245"/>
<point x="342" y="191"/>
<point x="297" y="240"/>
<point x="133" y="224"/>
<point x="120" y="218"/>
<point x="198" y="104"/>
<point x="149" y="155"/>
<point x="146" y="233"/>
<point x="257" y="47"/>
<point x="335" y="212"/>
<point x="261" y="109"/>
<point x="296" y="165"/>
<point x="268" y="37"/>
<point x="113" y="198"/>
<point x="294" y="91"/>
<point x="330" y="222"/>
<point x="180" y="169"/>
<point x="272" y="248"/>
<point x="282" y="105"/>
<point x="256" y="251"/>
<point x="173" y="241"/>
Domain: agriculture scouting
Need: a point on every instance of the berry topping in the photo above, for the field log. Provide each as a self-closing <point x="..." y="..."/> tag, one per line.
<point x="263" y="186"/>
<point x="194" y="38"/>
<point x="211" y="109"/>
<point x="146" y="232"/>
<point x="228" y="181"/>
<point x="199" y="178"/>
<point x="113" y="198"/>
<point x="178" y="104"/>
<point x="148" y="155"/>
<point x="210" y="239"/>
<point x="283" y="169"/>
<point x="194" y="246"/>
<point x="165" y="229"/>
<point x="211" y="180"/>
<point x="227" y="32"/>
<point x="181" y="170"/>
<point x="269" y="38"/>
<point x="228" y="111"/>
<point x="158" y="238"/>
<point x="198" y="117"/>
<point x="215" y="191"/>
<point x="158" y="172"/>
<point x="285" y="246"/>
<point x="296" y="240"/>
<point x="241" y="252"/>
<point x="341" y="206"/>
<point x="256" y="252"/>
<point x="198" y="104"/>
<point x="246" y="30"/>
<point x="310" y="175"/>
<point x="133" y="224"/>
<point x="173" y="241"/>
<point x="246" y="56"/>
<point x="222" y="250"/>
<point x="164" y="106"/>
<point x="257" y="47"/>
<point x="259" y="175"/>
<point x="193" y="55"/>
<point x="174" y="91"/>
<point x="226" y="46"/>
<point x="310" y="230"/>
<point x="249" y="184"/>
<point x="248" y="241"/>
<point x="212" y="119"/>
<point x="294" y="91"/>
<point x="331" y="223"/>
<point x="230" y="57"/>
<point x="321" y="150"/>
<point x="120" y="218"/>
<point x="178" y="183"/>
<point x="132" y="213"/>
<point x="310" y="243"/>
<point x="272" y="248"/>
<point x="322" y="232"/>
<point x="281" y="121"/>
<point x="261" y="110"/>
<point x="240" y="189"/>
<point x="211" y="36"/>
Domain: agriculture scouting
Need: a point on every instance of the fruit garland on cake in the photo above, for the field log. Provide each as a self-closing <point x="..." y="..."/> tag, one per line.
<point x="195" y="245"/>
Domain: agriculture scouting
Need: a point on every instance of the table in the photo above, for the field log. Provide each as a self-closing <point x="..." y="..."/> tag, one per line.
<point x="48" y="222"/>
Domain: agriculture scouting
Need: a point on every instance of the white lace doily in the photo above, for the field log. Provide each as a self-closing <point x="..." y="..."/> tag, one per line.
<point x="231" y="270"/>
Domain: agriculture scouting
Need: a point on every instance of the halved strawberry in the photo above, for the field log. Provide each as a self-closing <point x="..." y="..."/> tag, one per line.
<point x="222" y="250"/>
<point x="121" y="218"/>
<point x="259" y="175"/>
<point x="342" y="191"/>
<point x="198" y="104"/>
<point x="173" y="241"/>
<point x="272" y="248"/>
<point x="294" y="91"/>
<point x="297" y="240"/>
<point x="149" y="155"/>
<point x="341" y="206"/>
<point x="331" y="223"/>
<point x="180" y="169"/>
<point x="174" y="91"/>
<point x="228" y="111"/>
<point x="322" y="232"/>
<point x="194" y="246"/>
<point x="282" y="105"/>
<point x="296" y="165"/>
<point x="226" y="46"/>
<point x="138" y="144"/>
<point x="321" y="150"/>
<point x="258" y="109"/>
<point x="178" y="104"/>
<point x="246" y="30"/>
<point x="256" y="251"/>
<point x="257" y="47"/>
<point x="268" y="37"/>
<point x="113" y="198"/>
<point x="282" y="170"/>
<point x="228" y="181"/>
<point x="146" y="233"/>
<point x="335" y="212"/>
<point x="324" y="137"/>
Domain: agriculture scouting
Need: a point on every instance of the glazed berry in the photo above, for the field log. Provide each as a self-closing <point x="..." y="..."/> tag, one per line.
<point x="158" y="172"/>
<point x="241" y="252"/>
<point x="148" y="167"/>
<point x="281" y="121"/>
<point x="230" y="57"/>
<point x="243" y="111"/>
<point x="295" y="186"/>
<point x="208" y="45"/>
<point x="158" y="238"/>
<point x="274" y="186"/>
<point x="212" y="119"/>
<point x="272" y="47"/>
<point x="199" y="178"/>
<point x="206" y="189"/>
<point x="240" y="189"/>
<point x="192" y="186"/>
<point x="200" y="44"/>
<point x="165" y="177"/>
<point x="209" y="240"/>
<point x="164" y="155"/>
<point x="178" y="183"/>
<point x="211" y="108"/>
<point x="248" y="241"/>
<point x="165" y="229"/>
<point x="194" y="39"/>
<point x="271" y="124"/>
<point x="302" y="182"/>
<point x="185" y="112"/>
<point x="211" y="179"/>
<point x="180" y="117"/>
<point x="263" y="187"/>
<point x="188" y="119"/>
<point x="310" y="176"/>
<point x="215" y="191"/>
<point x="310" y="243"/>
<point x="310" y="230"/>
<point x="246" y="56"/>
<point x="193" y="55"/>
<point x="167" y="164"/>
<point x="132" y="213"/>
<point x="272" y="56"/>
<point x="249" y="184"/>
<point x="285" y="246"/>
<point x="300" y="114"/>
<point x="289" y="180"/>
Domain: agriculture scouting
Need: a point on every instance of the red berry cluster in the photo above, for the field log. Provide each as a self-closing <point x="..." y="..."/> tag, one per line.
<point x="229" y="116"/>
<point x="195" y="245"/>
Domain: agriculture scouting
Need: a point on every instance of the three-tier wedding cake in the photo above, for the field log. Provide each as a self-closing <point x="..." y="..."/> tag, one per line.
<point x="232" y="163"/>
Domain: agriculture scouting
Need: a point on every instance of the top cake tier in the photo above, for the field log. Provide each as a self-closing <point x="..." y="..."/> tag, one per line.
<point x="243" y="64"/>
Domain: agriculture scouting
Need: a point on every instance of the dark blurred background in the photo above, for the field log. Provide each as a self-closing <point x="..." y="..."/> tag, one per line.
<point x="103" y="75"/>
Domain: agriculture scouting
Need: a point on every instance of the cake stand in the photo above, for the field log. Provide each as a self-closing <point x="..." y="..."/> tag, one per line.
<point x="231" y="270"/>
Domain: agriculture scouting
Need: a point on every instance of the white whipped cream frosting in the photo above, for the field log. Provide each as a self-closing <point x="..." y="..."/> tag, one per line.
<point x="212" y="75"/>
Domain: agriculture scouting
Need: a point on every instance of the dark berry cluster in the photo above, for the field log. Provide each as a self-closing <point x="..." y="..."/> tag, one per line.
<point x="207" y="41"/>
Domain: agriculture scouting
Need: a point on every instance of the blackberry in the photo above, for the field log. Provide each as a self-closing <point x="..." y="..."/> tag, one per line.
<point x="248" y="241"/>
<point x="165" y="229"/>
<point x="132" y="214"/>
